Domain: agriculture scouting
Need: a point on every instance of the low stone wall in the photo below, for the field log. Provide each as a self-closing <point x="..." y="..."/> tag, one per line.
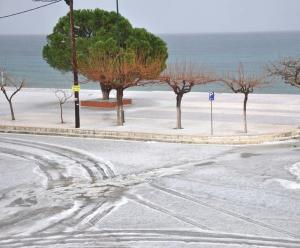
<point x="141" y="136"/>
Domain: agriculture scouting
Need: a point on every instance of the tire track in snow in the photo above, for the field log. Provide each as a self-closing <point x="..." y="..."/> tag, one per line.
<point x="232" y="186"/>
<point x="43" y="164"/>
<point x="72" y="154"/>
<point x="53" y="170"/>
<point x="224" y="211"/>
<point x="108" y="237"/>
<point x="46" y="165"/>
<point x="165" y="211"/>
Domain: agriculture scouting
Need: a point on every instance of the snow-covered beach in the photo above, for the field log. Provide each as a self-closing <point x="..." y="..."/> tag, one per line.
<point x="155" y="112"/>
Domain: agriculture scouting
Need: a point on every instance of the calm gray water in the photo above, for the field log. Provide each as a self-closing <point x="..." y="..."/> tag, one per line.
<point x="21" y="56"/>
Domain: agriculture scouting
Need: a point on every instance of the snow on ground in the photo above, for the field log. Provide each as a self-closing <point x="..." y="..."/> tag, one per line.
<point x="155" y="112"/>
<point x="295" y="170"/>
<point x="288" y="184"/>
<point x="73" y="192"/>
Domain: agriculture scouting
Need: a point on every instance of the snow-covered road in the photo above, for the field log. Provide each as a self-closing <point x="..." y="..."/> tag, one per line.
<point x="72" y="192"/>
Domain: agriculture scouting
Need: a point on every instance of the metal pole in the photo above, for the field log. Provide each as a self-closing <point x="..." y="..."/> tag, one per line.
<point x="2" y="78"/>
<point x="119" y="46"/>
<point x="117" y="3"/>
<point x="74" y="66"/>
<point x="211" y="118"/>
<point x="118" y="21"/>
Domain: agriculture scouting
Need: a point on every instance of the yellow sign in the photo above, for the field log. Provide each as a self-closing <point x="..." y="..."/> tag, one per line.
<point x="76" y="88"/>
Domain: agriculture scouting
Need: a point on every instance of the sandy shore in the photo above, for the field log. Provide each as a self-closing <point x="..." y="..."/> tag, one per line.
<point x="155" y="112"/>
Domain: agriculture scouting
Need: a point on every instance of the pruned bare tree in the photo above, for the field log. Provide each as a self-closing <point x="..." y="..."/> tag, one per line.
<point x="244" y="84"/>
<point x="10" y="85"/>
<point x="62" y="97"/>
<point x="287" y="69"/>
<point x="124" y="70"/>
<point x="182" y="77"/>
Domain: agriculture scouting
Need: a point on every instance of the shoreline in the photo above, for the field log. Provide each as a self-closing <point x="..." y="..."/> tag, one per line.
<point x="36" y="89"/>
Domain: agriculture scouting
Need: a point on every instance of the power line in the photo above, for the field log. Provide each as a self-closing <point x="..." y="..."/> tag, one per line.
<point x="29" y="10"/>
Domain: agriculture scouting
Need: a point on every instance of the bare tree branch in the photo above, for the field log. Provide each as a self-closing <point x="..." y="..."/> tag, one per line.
<point x="62" y="98"/>
<point x="288" y="69"/>
<point x="7" y="83"/>
<point x="244" y="84"/>
<point x="182" y="77"/>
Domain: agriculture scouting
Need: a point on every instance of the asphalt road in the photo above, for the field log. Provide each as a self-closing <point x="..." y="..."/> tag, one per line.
<point x="72" y="192"/>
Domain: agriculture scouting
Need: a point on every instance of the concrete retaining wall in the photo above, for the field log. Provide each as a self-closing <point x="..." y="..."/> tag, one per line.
<point x="140" y="136"/>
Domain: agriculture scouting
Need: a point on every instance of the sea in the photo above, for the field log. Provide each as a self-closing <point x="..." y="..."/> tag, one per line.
<point x="21" y="57"/>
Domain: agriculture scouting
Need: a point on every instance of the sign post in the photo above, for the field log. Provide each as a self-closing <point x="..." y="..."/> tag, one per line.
<point x="211" y="97"/>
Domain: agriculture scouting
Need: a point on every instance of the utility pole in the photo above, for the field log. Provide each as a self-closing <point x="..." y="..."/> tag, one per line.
<point x="118" y="22"/>
<point x="76" y="86"/>
<point x="119" y="46"/>
<point x="117" y="3"/>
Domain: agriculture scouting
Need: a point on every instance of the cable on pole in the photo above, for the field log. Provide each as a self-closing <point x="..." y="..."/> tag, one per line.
<point x="29" y="10"/>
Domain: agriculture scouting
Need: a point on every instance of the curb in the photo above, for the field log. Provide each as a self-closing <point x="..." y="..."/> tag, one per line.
<point x="159" y="137"/>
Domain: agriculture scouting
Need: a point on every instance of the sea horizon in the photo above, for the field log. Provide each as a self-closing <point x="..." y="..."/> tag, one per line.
<point x="182" y="33"/>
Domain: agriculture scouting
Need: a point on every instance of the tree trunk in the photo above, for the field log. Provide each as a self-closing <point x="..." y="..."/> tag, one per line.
<point x="61" y="113"/>
<point x="11" y="111"/>
<point x="120" y="111"/>
<point x="105" y="91"/>
<point x="245" y="113"/>
<point x="178" y="108"/>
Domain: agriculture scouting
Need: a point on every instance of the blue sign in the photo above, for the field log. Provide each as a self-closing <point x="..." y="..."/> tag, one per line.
<point x="211" y="96"/>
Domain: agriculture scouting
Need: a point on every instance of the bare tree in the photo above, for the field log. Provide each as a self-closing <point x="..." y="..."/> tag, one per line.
<point x="182" y="77"/>
<point x="9" y="84"/>
<point x="120" y="72"/>
<point x="62" y="98"/>
<point x="243" y="84"/>
<point x="288" y="69"/>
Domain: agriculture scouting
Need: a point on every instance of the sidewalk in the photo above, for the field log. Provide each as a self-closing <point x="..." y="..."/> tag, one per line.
<point x="152" y="116"/>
